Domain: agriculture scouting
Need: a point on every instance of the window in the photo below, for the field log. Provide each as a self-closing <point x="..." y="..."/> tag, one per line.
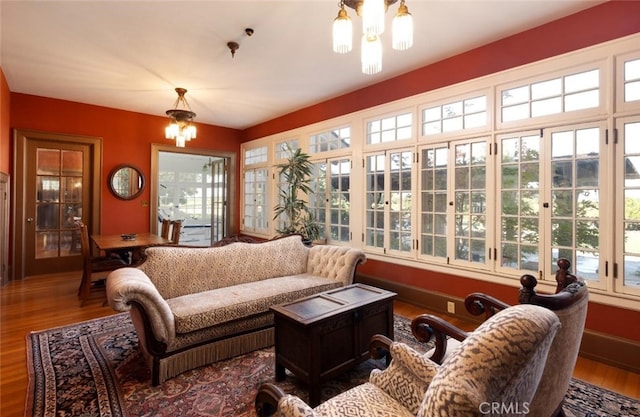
<point x="454" y="200"/>
<point x="285" y="149"/>
<point x="390" y="129"/>
<point x="433" y="205"/>
<point x="632" y="80"/>
<point x="552" y="203"/>
<point x="459" y="115"/>
<point x="255" y="198"/>
<point x="562" y="94"/>
<point x="255" y="156"/>
<point x="629" y="211"/>
<point x="575" y="199"/>
<point x="331" y="199"/>
<point x="330" y="141"/>
<point x="470" y="201"/>
<point x="519" y="202"/>
<point x="318" y="198"/>
<point x="389" y="200"/>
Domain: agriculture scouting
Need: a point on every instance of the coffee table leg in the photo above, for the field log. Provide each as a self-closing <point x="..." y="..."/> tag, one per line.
<point x="281" y="373"/>
<point x="314" y="394"/>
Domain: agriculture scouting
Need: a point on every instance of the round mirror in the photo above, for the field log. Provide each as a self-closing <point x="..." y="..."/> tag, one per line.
<point x="126" y="182"/>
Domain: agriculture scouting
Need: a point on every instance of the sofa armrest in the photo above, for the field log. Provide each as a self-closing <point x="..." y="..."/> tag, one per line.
<point x="335" y="262"/>
<point x="127" y="286"/>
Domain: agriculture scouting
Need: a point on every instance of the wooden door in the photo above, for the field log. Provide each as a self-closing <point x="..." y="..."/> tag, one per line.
<point x="58" y="189"/>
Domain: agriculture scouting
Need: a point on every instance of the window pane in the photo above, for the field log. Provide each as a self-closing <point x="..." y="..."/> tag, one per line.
<point x="585" y="100"/>
<point x="550" y="88"/>
<point x="515" y="96"/>
<point x="583" y="81"/>
<point x="545" y="107"/>
<point x="512" y="113"/>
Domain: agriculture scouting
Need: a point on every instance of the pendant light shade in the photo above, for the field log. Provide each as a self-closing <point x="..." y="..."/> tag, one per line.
<point x="342" y="32"/>
<point x="371" y="55"/>
<point x="373" y="12"/>
<point x="402" y="29"/>
<point x="181" y="117"/>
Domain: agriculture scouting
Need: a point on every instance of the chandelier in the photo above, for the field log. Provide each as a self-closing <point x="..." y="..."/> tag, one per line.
<point x="181" y="128"/>
<point x="372" y="13"/>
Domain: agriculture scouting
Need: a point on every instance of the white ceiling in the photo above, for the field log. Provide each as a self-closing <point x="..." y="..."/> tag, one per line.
<point x="132" y="54"/>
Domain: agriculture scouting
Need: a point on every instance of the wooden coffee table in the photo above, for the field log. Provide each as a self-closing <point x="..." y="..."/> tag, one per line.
<point x="320" y="336"/>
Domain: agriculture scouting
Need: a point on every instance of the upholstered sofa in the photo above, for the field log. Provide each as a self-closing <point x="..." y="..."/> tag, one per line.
<point x="194" y="306"/>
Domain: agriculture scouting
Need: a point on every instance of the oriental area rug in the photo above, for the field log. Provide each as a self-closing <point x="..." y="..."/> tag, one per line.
<point x="94" y="368"/>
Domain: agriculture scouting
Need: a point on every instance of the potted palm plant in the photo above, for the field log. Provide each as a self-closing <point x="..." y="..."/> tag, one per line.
<point x="292" y="210"/>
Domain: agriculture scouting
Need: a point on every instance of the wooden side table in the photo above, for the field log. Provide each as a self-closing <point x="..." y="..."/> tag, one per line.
<point x="323" y="335"/>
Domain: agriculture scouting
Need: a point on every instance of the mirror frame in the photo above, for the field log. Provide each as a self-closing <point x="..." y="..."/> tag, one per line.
<point x="115" y="171"/>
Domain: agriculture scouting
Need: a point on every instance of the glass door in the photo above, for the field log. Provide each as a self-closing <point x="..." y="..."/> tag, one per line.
<point x="193" y="188"/>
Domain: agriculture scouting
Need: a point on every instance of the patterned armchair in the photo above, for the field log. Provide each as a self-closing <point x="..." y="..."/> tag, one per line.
<point x="498" y="366"/>
<point x="570" y="305"/>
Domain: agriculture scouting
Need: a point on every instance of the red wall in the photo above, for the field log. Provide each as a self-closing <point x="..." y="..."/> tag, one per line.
<point x="126" y="138"/>
<point x="598" y="24"/>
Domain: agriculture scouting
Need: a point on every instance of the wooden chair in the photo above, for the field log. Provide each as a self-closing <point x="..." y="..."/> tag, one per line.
<point x="176" y="229"/>
<point x="93" y="264"/>
<point x="570" y="305"/>
<point x="164" y="231"/>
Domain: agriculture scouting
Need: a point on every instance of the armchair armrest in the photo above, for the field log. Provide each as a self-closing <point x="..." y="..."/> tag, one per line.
<point x="266" y="403"/>
<point x="479" y="303"/>
<point x="567" y="296"/>
<point x="426" y="326"/>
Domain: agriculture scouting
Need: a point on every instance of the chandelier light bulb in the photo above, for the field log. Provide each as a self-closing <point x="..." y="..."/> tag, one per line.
<point x="180" y="128"/>
<point x="402" y="29"/>
<point x="373" y="12"/>
<point x="371" y="55"/>
<point x="342" y="32"/>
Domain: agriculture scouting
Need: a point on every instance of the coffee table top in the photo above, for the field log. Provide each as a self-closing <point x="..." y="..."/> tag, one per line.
<point x="319" y="306"/>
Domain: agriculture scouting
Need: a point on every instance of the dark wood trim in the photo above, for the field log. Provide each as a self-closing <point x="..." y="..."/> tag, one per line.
<point x="600" y="347"/>
<point x="21" y="138"/>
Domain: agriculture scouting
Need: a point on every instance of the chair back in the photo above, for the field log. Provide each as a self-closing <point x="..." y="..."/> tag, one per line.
<point x="498" y="365"/>
<point x="164" y="231"/>
<point x="176" y="228"/>
<point x="85" y="247"/>
<point x="570" y="305"/>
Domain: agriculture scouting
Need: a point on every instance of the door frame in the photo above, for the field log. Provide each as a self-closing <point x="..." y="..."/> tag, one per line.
<point x="21" y="138"/>
<point x="231" y="157"/>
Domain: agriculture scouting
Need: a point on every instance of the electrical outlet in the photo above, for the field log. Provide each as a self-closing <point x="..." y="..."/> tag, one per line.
<point x="451" y="307"/>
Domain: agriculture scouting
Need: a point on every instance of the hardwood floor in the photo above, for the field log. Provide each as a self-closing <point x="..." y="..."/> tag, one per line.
<point x="48" y="301"/>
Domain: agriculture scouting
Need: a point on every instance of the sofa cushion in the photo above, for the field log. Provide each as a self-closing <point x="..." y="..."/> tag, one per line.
<point x="208" y="308"/>
<point x="178" y="271"/>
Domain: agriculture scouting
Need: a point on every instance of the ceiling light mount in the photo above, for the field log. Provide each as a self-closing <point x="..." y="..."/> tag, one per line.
<point x="233" y="47"/>
<point x="181" y="128"/>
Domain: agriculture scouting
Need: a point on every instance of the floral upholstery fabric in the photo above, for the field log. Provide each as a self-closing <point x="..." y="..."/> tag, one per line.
<point x="500" y="362"/>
